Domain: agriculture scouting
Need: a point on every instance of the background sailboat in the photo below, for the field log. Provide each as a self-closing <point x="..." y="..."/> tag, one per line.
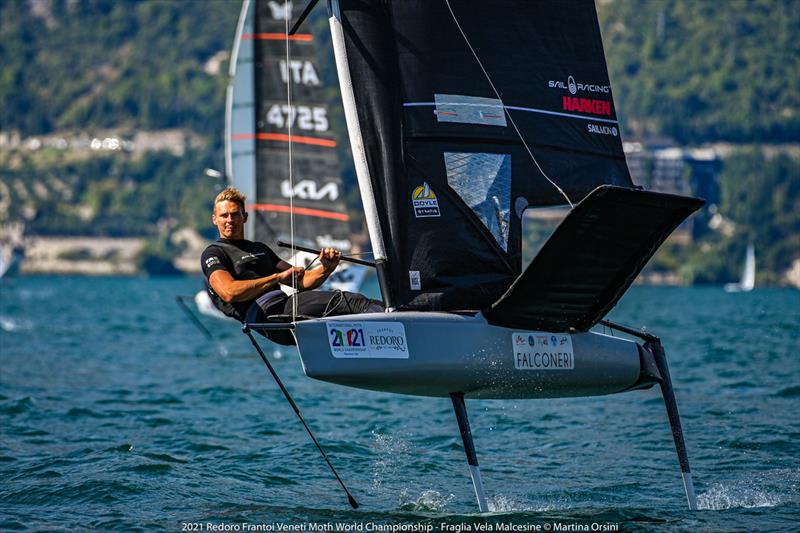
<point x="748" y="281"/>
<point x="281" y="152"/>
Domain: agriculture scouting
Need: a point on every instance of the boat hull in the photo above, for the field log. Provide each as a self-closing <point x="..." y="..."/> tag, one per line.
<point x="445" y="353"/>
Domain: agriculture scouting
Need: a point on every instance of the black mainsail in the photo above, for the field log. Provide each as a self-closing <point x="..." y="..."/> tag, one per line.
<point x="266" y="130"/>
<point x="469" y="113"/>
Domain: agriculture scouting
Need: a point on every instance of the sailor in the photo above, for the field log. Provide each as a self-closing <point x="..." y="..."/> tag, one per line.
<point x="243" y="277"/>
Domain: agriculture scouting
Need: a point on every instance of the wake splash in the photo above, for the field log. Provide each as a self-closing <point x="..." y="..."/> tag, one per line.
<point x="762" y="490"/>
<point x="430" y="501"/>
<point x="9" y="325"/>
<point x="720" y="497"/>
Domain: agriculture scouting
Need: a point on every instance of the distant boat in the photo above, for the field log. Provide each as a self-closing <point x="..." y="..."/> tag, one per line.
<point x="748" y="281"/>
<point x="10" y="259"/>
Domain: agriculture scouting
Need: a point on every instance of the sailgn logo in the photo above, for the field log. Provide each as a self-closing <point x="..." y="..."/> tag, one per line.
<point x="425" y="202"/>
<point x="307" y="190"/>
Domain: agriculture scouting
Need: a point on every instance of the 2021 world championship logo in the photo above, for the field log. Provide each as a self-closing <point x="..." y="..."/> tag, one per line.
<point x="377" y="340"/>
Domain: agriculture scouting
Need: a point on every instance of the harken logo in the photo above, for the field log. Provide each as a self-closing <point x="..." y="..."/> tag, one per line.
<point x="586" y="105"/>
<point x="425" y="202"/>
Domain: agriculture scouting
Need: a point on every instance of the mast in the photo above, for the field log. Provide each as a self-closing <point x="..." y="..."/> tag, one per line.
<point x="359" y="153"/>
<point x="240" y="163"/>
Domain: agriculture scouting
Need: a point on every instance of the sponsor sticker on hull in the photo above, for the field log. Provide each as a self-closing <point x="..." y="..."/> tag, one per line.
<point x="540" y="350"/>
<point x="367" y="340"/>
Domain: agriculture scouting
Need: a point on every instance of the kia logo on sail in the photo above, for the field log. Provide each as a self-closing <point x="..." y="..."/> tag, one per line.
<point x="307" y="190"/>
<point x="574" y="88"/>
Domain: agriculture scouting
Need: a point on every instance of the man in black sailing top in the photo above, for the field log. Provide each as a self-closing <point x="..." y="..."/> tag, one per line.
<point x="243" y="277"/>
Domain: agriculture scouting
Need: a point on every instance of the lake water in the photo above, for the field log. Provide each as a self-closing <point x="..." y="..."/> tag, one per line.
<point x="116" y="413"/>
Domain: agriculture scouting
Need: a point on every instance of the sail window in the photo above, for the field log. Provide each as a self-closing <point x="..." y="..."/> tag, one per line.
<point x="483" y="181"/>
<point x="469" y="110"/>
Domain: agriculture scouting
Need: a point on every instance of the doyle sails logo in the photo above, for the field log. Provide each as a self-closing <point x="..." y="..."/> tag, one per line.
<point x="425" y="202"/>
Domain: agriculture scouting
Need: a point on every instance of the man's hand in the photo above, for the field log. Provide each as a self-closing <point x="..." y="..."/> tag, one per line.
<point x="330" y="257"/>
<point x="285" y="277"/>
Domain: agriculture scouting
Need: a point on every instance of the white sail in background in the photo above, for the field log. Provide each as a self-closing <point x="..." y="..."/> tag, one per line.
<point x="748" y="281"/>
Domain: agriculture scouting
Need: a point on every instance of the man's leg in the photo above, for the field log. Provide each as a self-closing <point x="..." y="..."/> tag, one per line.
<point x="332" y="303"/>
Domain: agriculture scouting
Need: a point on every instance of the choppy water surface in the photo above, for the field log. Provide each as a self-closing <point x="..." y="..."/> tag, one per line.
<point x="116" y="413"/>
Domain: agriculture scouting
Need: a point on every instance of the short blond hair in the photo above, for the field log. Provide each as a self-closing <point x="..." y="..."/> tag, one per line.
<point x="231" y="194"/>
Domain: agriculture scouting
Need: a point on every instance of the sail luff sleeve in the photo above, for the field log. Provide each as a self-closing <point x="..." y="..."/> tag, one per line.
<point x="357" y="141"/>
<point x="240" y="157"/>
<point x="229" y="92"/>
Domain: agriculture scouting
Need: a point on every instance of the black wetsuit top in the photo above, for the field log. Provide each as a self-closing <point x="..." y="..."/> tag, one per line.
<point x="244" y="260"/>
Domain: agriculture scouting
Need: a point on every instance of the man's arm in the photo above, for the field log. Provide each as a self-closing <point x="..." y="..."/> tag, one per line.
<point x="312" y="279"/>
<point x="235" y="290"/>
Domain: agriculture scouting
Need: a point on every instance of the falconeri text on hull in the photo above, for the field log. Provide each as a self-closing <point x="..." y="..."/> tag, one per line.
<point x="461" y="115"/>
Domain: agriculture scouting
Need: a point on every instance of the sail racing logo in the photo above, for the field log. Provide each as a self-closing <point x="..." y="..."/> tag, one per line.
<point x="574" y="87"/>
<point x="574" y="103"/>
<point x="425" y="202"/>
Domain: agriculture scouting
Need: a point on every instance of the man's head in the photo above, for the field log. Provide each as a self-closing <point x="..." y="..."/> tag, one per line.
<point x="229" y="214"/>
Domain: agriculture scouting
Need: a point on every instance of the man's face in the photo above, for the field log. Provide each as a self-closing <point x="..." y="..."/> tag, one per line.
<point x="229" y="219"/>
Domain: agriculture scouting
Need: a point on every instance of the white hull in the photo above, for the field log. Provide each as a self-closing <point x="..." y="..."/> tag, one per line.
<point x="449" y="353"/>
<point x="206" y="307"/>
<point x="10" y="260"/>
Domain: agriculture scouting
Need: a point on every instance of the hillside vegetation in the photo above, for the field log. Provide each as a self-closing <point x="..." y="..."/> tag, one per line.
<point x="698" y="71"/>
<point x="70" y="65"/>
